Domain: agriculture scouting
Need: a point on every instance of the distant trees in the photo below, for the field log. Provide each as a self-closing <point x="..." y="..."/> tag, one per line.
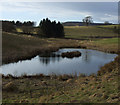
<point x="25" y="23"/>
<point x="8" y="26"/>
<point x="26" y="26"/>
<point x="50" y="29"/>
<point x="87" y="20"/>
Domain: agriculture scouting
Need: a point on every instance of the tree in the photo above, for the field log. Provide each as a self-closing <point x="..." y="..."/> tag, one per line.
<point x="87" y="20"/>
<point x="50" y="29"/>
<point x="18" y="23"/>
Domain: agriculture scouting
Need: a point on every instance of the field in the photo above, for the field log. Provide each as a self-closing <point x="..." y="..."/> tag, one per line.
<point x="100" y="88"/>
<point x="90" y="32"/>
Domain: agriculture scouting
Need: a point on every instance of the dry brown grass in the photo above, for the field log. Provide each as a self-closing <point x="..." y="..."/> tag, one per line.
<point x="20" y="47"/>
<point x="10" y="87"/>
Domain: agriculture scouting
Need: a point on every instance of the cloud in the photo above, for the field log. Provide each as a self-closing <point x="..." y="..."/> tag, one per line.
<point x="59" y="11"/>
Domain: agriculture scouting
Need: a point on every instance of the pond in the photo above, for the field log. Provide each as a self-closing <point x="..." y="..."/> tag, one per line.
<point x="89" y="62"/>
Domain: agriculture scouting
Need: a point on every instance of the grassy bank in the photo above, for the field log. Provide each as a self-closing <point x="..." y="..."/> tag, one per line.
<point x="105" y="44"/>
<point x="101" y="88"/>
<point x="17" y="47"/>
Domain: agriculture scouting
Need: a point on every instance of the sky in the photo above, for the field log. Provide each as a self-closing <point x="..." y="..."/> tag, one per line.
<point x="59" y="11"/>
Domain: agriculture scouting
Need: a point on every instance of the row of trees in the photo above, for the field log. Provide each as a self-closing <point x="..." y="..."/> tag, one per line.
<point x="51" y="28"/>
<point x="10" y="26"/>
<point x="46" y="27"/>
<point x="25" y="23"/>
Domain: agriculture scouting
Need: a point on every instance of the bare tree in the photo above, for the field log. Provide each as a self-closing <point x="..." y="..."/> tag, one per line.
<point x="87" y="20"/>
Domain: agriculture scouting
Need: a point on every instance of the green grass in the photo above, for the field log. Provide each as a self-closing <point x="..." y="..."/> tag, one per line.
<point x="84" y="32"/>
<point x="108" y="41"/>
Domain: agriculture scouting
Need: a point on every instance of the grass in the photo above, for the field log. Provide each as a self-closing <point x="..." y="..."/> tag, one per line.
<point x="84" y="32"/>
<point x="17" y="47"/>
<point x="108" y="41"/>
<point x="64" y="88"/>
<point x="105" y="44"/>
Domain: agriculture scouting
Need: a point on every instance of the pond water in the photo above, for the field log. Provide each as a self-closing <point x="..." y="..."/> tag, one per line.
<point x="89" y="62"/>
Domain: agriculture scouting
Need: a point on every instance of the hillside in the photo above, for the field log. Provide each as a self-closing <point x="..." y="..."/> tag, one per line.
<point x="90" y="32"/>
<point x="70" y="23"/>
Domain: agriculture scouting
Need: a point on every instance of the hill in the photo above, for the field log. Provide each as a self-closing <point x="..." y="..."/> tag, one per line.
<point x="70" y="23"/>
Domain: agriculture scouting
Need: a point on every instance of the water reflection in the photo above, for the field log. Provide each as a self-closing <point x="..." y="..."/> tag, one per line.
<point x="86" y="56"/>
<point x="49" y="58"/>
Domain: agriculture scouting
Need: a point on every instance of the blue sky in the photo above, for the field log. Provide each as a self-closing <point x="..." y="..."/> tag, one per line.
<point x="59" y="11"/>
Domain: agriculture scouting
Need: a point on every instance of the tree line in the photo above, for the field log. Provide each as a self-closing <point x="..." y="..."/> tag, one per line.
<point x="10" y="26"/>
<point x="46" y="28"/>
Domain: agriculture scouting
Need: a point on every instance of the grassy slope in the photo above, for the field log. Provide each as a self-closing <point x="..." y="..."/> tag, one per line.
<point x="84" y="32"/>
<point x="106" y="44"/>
<point x="17" y="47"/>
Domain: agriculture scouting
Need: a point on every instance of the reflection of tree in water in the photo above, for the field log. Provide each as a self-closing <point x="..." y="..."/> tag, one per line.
<point x="86" y="56"/>
<point x="46" y="59"/>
